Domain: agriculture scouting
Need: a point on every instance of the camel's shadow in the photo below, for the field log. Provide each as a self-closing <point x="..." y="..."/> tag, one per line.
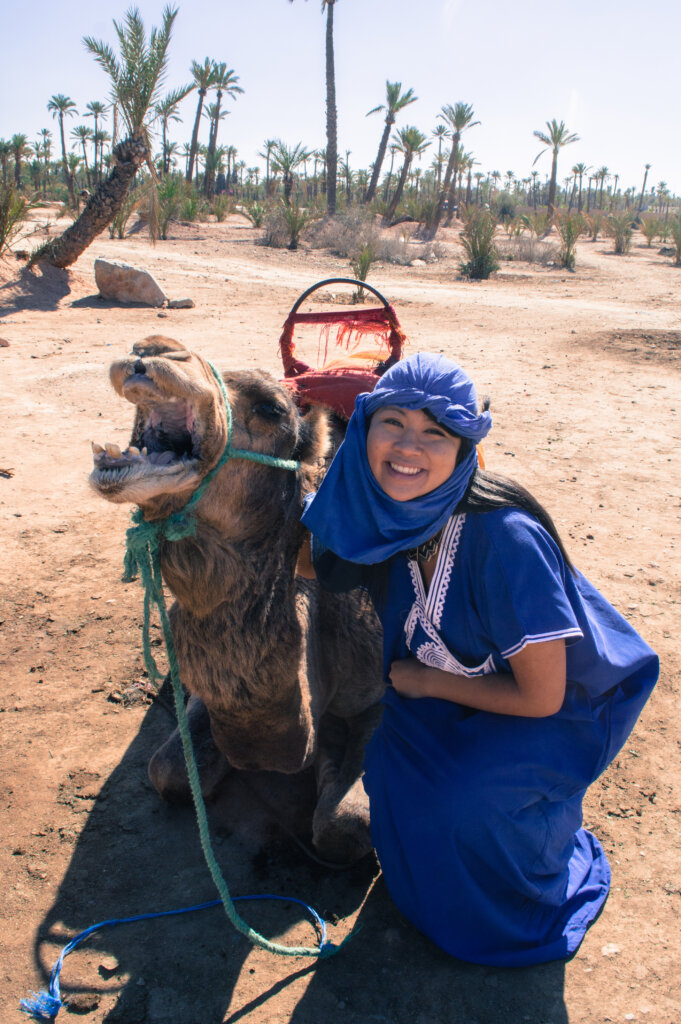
<point x="136" y="855"/>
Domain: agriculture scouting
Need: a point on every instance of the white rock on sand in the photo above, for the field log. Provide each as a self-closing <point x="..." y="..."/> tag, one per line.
<point x="119" y="282"/>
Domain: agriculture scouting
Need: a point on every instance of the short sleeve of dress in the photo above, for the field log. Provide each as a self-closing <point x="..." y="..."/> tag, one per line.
<point x="523" y="579"/>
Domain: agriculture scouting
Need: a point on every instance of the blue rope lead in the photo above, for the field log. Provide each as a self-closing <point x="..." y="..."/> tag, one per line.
<point x="44" y="1006"/>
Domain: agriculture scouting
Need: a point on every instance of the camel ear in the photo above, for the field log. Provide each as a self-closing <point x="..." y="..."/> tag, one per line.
<point x="314" y="436"/>
<point x="159" y="345"/>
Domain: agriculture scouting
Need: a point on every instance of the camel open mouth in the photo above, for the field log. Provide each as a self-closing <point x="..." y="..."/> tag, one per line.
<point x="165" y="443"/>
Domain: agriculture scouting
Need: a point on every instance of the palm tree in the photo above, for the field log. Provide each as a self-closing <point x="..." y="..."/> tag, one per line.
<point x="643" y="190"/>
<point x="555" y="138"/>
<point x="440" y="132"/>
<point x="214" y="115"/>
<point x="136" y="79"/>
<point x="601" y="175"/>
<point x="165" y="111"/>
<point x="19" y="145"/>
<point x="394" y="102"/>
<point x="286" y="161"/>
<point x="46" y="136"/>
<point x="266" y="155"/>
<point x="331" y="112"/>
<point x="411" y="142"/>
<point x="204" y="77"/>
<point x="84" y="134"/>
<point x="224" y="81"/>
<point x="457" y="119"/>
<point x="61" y="106"/>
<point x="96" y="109"/>
<point x="5" y="154"/>
<point x="580" y="170"/>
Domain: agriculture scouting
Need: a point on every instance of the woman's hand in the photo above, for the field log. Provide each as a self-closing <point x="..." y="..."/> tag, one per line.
<point x="409" y="677"/>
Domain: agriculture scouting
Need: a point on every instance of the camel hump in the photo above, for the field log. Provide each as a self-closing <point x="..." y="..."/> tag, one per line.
<point x="158" y="345"/>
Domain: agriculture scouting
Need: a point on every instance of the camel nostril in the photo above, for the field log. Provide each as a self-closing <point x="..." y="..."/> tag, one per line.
<point x="140" y="367"/>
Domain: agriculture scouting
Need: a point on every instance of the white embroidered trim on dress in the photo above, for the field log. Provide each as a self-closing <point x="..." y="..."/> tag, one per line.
<point x="427" y="610"/>
<point x="537" y="638"/>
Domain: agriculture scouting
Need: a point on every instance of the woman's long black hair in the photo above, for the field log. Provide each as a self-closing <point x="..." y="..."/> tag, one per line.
<point x="489" y="491"/>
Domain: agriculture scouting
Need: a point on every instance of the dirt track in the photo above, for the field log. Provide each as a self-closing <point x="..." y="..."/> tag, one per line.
<point x="584" y="374"/>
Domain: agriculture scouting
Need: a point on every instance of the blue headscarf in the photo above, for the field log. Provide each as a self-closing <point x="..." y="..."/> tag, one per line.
<point x="350" y="513"/>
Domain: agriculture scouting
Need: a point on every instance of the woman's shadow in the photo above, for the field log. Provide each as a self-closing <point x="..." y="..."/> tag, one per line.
<point x="136" y="855"/>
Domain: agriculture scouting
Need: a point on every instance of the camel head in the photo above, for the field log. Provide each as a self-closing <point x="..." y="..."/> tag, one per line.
<point x="180" y="431"/>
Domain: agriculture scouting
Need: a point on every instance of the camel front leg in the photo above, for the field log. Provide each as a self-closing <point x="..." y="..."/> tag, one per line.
<point x="167" y="768"/>
<point x="340" y="825"/>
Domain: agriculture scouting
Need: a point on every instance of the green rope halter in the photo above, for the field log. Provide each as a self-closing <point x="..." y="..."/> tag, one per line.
<point x="143" y="540"/>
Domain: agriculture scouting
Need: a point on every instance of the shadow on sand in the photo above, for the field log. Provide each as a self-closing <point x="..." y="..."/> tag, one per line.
<point x="41" y="288"/>
<point x="135" y="855"/>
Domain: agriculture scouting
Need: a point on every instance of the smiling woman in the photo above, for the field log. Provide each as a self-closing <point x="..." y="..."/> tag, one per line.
<point x="409" y="452"/>
<point x="513" y="682"/>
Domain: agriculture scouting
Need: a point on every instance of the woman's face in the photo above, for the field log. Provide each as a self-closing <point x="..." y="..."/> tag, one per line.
<point x="409" y="453"/>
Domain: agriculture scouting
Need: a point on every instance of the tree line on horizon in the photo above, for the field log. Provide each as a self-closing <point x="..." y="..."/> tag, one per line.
<point x="100" y="169"/>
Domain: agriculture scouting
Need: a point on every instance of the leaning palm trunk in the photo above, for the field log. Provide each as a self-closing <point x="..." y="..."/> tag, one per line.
<point x="450" y="171"/>
<point x="394" y="202"/>
<point x="378" y="163"/>
<point x="101" y="208"/>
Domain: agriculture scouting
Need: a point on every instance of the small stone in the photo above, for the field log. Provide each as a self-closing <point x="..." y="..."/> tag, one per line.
<point x="162" y="315"/>
<point x="610" y="949"/>
<point x="108" y="965"/>
<point x="417" y="263"/>
<point x="181" y="304"/>
<point x="4" y="343"/>
<point x="83" y="1002"/>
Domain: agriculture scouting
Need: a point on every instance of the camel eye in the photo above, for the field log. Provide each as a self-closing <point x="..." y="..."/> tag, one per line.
<point x="269" y="410"/>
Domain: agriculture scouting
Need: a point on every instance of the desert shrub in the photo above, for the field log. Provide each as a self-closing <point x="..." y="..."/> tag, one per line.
<point x="529" y="249"/>
<point x="650" y="226"/>
<point x="284" y="225"/>
<point x="675" y="231"/>
<point x="170" y="192"/>
<point x="189" y="207"/>
<point x="120" y="222"/>
<point x="346" y="233"/>
<point x="221" y="206"/>
<point x="570" y="227"/>
<point x="361" y="265"/>
<point x="478" y="241"/>
<point x="536" y="223"/>
<point x="255" y="213"/>
<point x="13" y="210"/>
<point x="619" y="227"/>
<point x="504" y="207"/>
<point x="514" y="226"/>
<point x="397" y="250"/>
<point x="421" y="210"/>
<point x="594" y="223"/>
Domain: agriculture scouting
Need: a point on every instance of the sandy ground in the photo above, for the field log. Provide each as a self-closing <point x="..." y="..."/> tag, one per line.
<point x="583" y="371"/>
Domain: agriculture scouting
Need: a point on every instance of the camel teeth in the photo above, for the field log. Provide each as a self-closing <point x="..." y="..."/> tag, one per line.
<point x="113" y="450"/>
<point x="132" y="450"/>
<point x="96" y="448"/>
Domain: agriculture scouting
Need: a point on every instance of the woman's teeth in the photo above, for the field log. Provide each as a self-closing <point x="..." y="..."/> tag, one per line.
<point x="405" y="470"/>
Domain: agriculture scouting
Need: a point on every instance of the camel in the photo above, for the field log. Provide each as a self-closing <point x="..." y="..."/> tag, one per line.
<point x="282" y="676"/>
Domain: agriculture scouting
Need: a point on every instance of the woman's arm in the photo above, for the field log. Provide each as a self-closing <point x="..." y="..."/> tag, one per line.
<point x="535" y="687"/>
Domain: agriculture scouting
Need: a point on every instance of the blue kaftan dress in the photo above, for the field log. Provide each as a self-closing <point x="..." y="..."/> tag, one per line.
<point x="476" y="817"/>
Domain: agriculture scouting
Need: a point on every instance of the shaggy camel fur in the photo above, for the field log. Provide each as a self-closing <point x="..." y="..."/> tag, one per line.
<point x="276" y="668"/>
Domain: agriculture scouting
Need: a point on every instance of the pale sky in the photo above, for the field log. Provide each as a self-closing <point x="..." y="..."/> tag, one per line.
<point x="608" y="68"/>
